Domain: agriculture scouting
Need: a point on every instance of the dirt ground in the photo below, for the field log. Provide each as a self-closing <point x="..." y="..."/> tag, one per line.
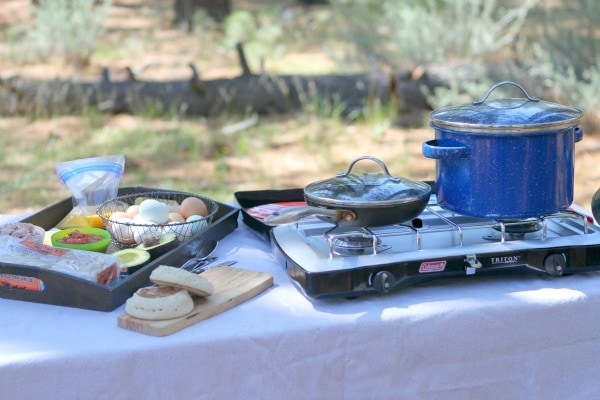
<point x="170" y="51"/>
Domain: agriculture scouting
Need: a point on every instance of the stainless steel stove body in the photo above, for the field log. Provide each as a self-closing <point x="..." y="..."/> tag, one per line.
<point x="332" y="261"/>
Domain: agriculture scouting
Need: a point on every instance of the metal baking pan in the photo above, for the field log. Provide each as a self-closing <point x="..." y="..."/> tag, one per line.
<point x="66" y="290"/>
<point x="250" y="199"/>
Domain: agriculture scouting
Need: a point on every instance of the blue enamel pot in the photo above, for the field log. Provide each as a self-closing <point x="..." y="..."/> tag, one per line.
<point x="505" y="159"/>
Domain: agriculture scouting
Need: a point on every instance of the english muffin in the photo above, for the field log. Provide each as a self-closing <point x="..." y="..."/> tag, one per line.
<point x="180" y="278"/>
<point x="159" y="302"/>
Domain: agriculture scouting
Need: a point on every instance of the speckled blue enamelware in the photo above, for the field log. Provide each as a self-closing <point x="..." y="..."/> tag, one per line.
<point x="505" y="159"/>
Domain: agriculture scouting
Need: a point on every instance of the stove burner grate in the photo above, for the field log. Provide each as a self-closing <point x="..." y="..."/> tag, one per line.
<point x="354" y="242"/>
<point x="519" y="227"/>
<point x="344" y="241"/>
<point x="531" y="228"/>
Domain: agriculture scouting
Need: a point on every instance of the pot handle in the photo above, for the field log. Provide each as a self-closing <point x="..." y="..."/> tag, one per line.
<point x="445" y="150"/>
<point x="578" y="134"/>
<point x="374" y="159"/>
<point x="290" y="215"/>
<point x="490" y="90"/>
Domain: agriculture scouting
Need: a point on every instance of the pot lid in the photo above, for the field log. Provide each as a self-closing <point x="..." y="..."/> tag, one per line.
<point x="512" y="115"/>
<point x="367" y="189"/>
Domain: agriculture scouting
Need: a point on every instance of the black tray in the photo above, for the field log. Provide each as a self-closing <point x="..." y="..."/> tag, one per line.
<point x="249" y="199"/>
<point x="70" y="291"/>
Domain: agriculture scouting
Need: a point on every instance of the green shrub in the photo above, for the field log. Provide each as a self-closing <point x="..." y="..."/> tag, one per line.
<point x="68" y="29"/>
<point x="401" y="34"/>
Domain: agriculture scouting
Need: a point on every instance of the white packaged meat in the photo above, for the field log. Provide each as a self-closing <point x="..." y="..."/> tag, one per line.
<point x="97" y="267"/>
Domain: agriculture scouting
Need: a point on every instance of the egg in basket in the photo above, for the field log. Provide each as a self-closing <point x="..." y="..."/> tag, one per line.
<point x="139" y="218"/>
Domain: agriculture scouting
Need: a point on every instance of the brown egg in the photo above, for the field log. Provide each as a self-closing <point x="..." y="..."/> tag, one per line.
<point x="175" y="208"/>
<point x="176" y="217"/>
<point x="193" y="206"/>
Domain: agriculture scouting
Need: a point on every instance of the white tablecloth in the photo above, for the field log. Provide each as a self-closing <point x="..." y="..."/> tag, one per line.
<point x="526" y="337"/>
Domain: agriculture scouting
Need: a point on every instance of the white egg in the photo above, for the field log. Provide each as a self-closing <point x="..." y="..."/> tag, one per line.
<point x="182" y="231"/>
<point x="145" y="228"/>
<point x="152" y="210"/>
<point x="198" y="223"/>
<point x="138" y="219"/>
<point x="122" y="230"/>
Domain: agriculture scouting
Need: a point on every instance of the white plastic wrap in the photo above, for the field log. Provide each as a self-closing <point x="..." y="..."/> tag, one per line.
<point x="23" y="231"/>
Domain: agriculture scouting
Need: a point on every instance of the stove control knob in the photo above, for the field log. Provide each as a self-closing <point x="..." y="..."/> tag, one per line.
<point x="555" y="264"/>
<point x="383" y="281"/>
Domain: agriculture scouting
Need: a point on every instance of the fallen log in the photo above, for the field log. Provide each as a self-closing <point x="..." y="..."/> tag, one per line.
<point x="262" y="94"/>
<point x="247" y="93"/>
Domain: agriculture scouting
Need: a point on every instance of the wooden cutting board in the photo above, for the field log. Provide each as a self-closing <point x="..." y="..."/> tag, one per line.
<point x="232" y="286"/>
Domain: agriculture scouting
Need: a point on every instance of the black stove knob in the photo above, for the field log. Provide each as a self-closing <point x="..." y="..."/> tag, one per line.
<point x="555" y="264"/>
<point x="383" y="281"/>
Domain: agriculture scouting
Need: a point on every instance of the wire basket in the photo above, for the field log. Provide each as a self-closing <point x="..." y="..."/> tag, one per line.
<point x="130" y="232"/>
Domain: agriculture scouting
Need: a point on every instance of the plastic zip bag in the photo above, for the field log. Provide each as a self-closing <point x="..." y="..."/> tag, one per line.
<point x="92" y="181"/>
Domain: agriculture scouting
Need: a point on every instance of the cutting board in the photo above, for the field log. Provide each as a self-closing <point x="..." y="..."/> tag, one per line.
<point x="232" y="286"/>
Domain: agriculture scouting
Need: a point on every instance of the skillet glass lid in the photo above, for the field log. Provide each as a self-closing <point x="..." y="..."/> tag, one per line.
<point x="367" y="189"/>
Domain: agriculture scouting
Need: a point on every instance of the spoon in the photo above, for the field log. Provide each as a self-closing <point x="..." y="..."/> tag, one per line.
<point x="203" y="253"/>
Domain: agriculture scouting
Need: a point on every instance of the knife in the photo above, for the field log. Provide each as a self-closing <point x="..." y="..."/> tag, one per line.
<point x="203" y="267"/>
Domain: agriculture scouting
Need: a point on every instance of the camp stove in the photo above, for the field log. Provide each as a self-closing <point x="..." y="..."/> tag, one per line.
<point x="327" y="260"/>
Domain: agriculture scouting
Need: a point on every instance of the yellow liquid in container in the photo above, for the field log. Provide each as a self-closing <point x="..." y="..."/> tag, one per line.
<point x="75" y="220"/>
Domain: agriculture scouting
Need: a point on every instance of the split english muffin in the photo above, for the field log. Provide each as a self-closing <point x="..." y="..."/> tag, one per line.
<point x="171" y="297"/>
<point x="159" y="302"/>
